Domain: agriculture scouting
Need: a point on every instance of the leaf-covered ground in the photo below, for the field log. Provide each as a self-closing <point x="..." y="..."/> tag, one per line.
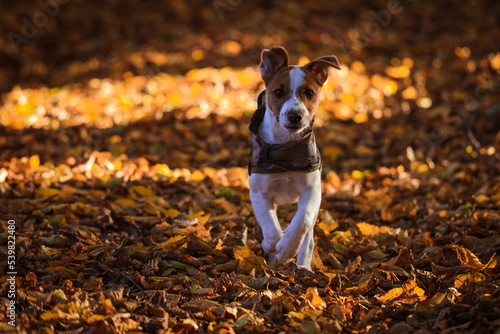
<point x="123" y="149"/>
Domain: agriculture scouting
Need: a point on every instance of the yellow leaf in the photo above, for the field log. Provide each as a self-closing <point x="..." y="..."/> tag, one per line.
<point x="57" y="219"/>
<point x="358" y="67"/>
<point x="316" y="261"/>
<point x="492" y="263"/>
<point x="419" y="291"/>
<point x="468" y="257"/>
<point x="482" y="198"/>
<point x="58" y="296"/>
<point x="34" y="162"/>
<point x="46" y="330"/>
<point x="248" y="260"/>
<point x="398" y="71"/>
<point x="241" y="252"/>
<point x="390" y="88"/>
<point x="197" y="55"/>
<point x="117" y="165"/>
<point x="429" y="304"/>
<point x="408" y="62"/>
<point x="81" y="256"/>
<point x="313" y="297"/>
<point x="410" y="93"/>
<point x="495" y="62"/>
<point x="360" y="118"/>
<point x="95" y="318"/>
<point x="391" y="294"/>
<point x="197" y="176"/>
<point x="69" y="311"/>
<point x="115" y="139"/>
<point x="164" y="170"/>
<point x="25" y="108"/>
<point x="52" y="315"/>
<point x="331" y="152"/>
<point x="368" y="229"/>
<point x="348" y="98"/>
<point x="141" y="191"/>
<point x="50" y="251"/>
<point x="470" y="277"/>
<point x="202" y="217"/>
<point x="172" y="213"/>
<point x="365" y="280"/>
<point x="328" y="227"/>
<point x="294" y="316"/>
<point x="62" y="269"/>
<point x="410" y="287"/>
<point x="357" y="174"/>
<point x="330" y="276"/>
<point x="108" y="306"/>
<point x="47" y="192"/>
<point x="125" y="202"/>
<point x="171" y="243"/>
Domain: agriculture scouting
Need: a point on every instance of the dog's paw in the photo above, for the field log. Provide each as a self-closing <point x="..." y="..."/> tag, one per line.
<point x="271" y="260"/>
<point x="269" y="243"/>
<point x="288" y="247"/>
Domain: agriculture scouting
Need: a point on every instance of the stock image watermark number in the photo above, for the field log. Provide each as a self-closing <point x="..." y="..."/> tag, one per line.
<point x="11" y="267"/>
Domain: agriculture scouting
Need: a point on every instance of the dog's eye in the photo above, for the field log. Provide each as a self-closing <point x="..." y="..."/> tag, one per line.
<point x="309" y="93"/>
<point x="279" y="93"/>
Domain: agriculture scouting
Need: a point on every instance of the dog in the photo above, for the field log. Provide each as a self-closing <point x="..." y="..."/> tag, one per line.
<point x="285" y="164"/>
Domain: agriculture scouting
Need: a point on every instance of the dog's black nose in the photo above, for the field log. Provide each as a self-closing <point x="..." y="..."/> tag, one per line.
<point x="294" y="118"/>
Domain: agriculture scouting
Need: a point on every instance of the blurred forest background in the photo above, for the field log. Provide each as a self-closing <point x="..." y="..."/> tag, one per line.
<point x="123" y="149"/>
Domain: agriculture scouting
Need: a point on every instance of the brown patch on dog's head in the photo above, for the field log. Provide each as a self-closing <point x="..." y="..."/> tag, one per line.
<point x="271" y="61"/>
<point x="319" y="68"/>
<point x="278" y="90"/>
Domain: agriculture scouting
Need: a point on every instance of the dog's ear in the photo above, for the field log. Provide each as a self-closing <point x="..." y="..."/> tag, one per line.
<point x="272" y="60"/>
<point x="319" y="67"/>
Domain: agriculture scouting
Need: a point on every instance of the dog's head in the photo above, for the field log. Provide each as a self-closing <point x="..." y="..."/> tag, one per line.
<point x="293" y="91"/>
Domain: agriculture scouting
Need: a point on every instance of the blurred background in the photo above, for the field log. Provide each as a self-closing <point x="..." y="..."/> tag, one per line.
<point x="124" y="136"/>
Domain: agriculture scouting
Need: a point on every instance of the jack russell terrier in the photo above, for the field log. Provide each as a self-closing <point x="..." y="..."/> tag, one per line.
<point x="285" y="164"/>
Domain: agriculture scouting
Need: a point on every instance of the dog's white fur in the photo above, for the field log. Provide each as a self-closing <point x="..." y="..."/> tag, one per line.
<point x="267" y="191"/>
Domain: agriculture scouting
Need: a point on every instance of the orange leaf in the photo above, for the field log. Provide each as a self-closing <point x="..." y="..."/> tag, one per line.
<point x="313" y="297"/>
<point x="391" y="294"/>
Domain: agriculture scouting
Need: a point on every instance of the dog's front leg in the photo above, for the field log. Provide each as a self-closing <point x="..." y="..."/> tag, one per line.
<point x="302" y="225"/>
<point x="306" y="250"/>
<point x="265" y="213"/>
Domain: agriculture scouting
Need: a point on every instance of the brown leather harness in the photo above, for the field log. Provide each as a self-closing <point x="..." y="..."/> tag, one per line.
<point x="298" y="156"/>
